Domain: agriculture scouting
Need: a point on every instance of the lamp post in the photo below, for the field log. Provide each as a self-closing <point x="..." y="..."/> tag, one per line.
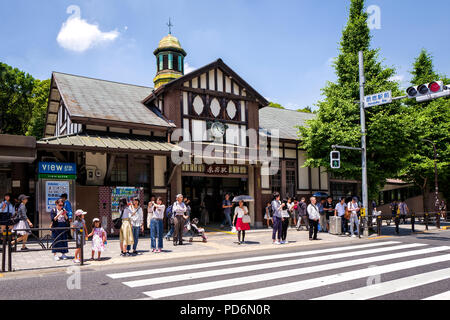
<point x="436" y="186"/>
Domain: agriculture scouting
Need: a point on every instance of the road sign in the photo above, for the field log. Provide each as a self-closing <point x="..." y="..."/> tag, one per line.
<point x="378" y="99"/>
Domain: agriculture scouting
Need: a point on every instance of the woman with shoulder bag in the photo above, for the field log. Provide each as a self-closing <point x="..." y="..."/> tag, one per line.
<point x="126" y="233"/>
<point x="59" y="220"/>
<point x="243" y="221"/>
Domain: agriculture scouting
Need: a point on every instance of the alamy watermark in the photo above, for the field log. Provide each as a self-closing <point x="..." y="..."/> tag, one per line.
<point x="74" y="280"/>
<point x="374" y="19"/>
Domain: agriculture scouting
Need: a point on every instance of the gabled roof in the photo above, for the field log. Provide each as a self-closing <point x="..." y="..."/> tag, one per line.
<point x="286" y="121"/>
<point x="87" y="98"/>
<point x="216" y="64"/>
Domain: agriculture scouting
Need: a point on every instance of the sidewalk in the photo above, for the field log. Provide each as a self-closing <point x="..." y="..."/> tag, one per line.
<point x="219" y="242"/>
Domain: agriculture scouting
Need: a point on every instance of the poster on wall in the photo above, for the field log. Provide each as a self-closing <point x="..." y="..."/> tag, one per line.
<point x="53" y="191"/>
<point x="122" y="192"/>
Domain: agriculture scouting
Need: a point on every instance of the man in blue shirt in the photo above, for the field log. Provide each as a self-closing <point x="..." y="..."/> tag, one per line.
<point x="340" y="211"/>
<point x="6" y="212"/>
<point x="226" y="206"/>
<point x="67" y="206"/>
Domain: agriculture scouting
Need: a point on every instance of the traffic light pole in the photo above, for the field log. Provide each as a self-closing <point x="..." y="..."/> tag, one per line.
<point x="365" y="196"/>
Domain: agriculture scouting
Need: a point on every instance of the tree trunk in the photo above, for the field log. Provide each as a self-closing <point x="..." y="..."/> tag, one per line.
<point x="426" y="196"/>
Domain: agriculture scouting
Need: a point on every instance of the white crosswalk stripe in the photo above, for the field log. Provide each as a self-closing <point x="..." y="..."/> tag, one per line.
<point x="247" y="278"/>
<point x="441" y="296"/>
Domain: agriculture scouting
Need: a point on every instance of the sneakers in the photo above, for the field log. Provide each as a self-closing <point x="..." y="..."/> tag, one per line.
<point x="153" y="250"/>
<point x="158" y="251"/>
<point x="283" y="242"/>
<point x="122" y="254"/>
<point x="56" y="258"/>
<point x="353" y="236"/>
<point x="76" y="261"/>
<point x="276" y="242"/>
<point x="24" y="249"/>
<point x="64" y="257"/>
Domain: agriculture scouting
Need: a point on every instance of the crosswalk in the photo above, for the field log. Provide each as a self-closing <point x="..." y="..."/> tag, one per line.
<point x="355" y="272"/>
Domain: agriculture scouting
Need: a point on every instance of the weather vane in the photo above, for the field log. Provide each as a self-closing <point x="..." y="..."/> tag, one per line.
<point x="170" y="25"/>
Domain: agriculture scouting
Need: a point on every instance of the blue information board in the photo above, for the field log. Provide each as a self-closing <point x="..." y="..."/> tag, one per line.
<point x="57" y="168"/>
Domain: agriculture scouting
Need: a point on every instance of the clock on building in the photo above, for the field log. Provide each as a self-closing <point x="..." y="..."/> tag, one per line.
<point x="218" y="129"/>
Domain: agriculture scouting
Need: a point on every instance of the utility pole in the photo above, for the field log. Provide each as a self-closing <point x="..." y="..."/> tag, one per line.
<point x="436" y="186"/>
<point x="365" y="197"/>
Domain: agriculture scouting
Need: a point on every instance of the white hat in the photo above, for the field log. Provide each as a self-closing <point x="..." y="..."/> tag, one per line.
<point x="80" y="212"/>
<point x="96" y="220"/>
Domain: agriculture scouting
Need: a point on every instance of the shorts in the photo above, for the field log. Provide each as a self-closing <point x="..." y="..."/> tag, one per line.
<point x="5" y="219"/>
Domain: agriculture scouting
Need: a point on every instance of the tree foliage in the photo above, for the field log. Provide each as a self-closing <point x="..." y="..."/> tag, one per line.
<point x="23" y="102"/>
<point x="338" y="117"/>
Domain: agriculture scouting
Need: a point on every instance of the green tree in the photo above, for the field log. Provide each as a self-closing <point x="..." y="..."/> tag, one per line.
<point x="39" y="101"/>
<point x="276" y="105"/>
<point x="429" y="120"/>
<point x="338" y="117"/>
<point x="16" y="89"/>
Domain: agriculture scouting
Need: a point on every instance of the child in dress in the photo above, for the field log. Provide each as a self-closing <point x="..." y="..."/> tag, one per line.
<point x="98" y="235"/>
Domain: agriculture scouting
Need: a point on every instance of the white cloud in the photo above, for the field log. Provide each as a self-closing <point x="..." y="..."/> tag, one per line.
<point x="397" y="78"/>
<point x="78" y="35"/>
<point x="188" y="68"/>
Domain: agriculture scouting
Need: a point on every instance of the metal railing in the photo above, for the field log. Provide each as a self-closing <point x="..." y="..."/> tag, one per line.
<point x="46" y="243"/>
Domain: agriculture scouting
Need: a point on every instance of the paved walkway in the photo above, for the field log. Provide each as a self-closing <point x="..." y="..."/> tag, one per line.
<point x="218" y="243"/>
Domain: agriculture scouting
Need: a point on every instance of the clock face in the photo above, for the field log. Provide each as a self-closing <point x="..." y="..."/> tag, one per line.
<point x="217" y="129"/>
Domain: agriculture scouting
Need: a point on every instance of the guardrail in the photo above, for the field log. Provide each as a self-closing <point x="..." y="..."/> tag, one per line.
<point x="46" y="243"/>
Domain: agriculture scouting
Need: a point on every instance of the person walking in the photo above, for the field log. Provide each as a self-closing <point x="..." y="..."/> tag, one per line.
<point x="339" y="210"/>
<point x="302" y="215"/>
<point x="79" y="237"/>
<point x="179" y="210"/>
<point x="268" y="214"/>
<point x="156" y="225"/>
<point x="170" y="222"/>
<point x="6" y="213"/>
<point x="24" y="223"/>
<point x="126" y="232"/>
<point x="98" y="235"/>
<point x="323" y="216"/>
<point x="404" y="210"/>
<point x="354" y="209"/>
<point x="285" y="215"/>
<point x="59" y="219"/>
<point x="314" y="217"/>
<point x="277" y="206"/>
<point x="137" y="223"/>
<point x="241" y="227"/>
<point x="226" y="206"/>
<point x="294" y="214"/>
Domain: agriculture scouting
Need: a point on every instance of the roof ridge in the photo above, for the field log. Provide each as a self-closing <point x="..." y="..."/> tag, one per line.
<point x="311" y="113"/>
<point x="110" y="81"/>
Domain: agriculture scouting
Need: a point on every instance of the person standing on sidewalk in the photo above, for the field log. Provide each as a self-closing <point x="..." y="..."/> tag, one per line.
<point x="339" y="211"/>
<point x="126" y="232"/>
<point x="285" y="215"/>
<point x="314" y="217"/>
<point x="137" y="223"/>
<point x="323" y="217"/>
<point x="241" y="227"/>
<point x="354" y="209"/>
<point x="268" y="214"/>
<point x="6" y="213"/>
<point x="59" y="219"/>
<point x="302" y="215"/>
<point x="277" y="206"/>
<point x="179" y="210"/>
<point x="156" y="225"/>
<point x="79" y="237"/>
<point x="226" y="206"/>
<point x="328" y="207"/>
<point x="24" y="223"/>
<point x="404" y="210"/>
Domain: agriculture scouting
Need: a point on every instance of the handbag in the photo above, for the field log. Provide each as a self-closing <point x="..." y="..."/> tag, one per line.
<point x="246" y="219"/>
<point x="347" y="214"/>
<point x="118" y="222"/>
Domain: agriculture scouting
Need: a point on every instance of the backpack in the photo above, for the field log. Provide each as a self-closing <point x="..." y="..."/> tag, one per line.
<point x="169" y="214"/>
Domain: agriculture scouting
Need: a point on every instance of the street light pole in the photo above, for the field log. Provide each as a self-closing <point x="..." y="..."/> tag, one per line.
<point x="365" y="197"/>
<point x="436" y="186"/>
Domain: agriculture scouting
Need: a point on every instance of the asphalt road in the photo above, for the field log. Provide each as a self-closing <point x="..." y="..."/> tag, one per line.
<point x="405" y="268"/>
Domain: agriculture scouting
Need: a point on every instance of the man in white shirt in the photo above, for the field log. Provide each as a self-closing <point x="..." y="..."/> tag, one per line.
<point x="354" y="209"/>
<point x="314" y="216"/>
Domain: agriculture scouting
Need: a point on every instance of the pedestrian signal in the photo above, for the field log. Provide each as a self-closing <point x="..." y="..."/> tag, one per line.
<point x="335" y="158"/>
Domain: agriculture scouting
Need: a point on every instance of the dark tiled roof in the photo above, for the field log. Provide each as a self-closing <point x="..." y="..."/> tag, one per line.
<point x="284" y="120"/>
<point x="106" y="100"/>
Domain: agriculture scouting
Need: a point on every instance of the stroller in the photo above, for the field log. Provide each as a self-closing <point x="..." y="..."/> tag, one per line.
<point x="192" y="230"/>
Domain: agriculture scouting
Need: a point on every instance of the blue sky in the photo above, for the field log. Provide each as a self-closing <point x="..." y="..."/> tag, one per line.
<point x="282" y="48"/>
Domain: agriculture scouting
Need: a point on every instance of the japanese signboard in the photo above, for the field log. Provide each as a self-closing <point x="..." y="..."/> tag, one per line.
<point x="378" y="99"/>
<point x="121" y="192"/>
<point x="217" y="169"/>
<point x="53" y="191"/>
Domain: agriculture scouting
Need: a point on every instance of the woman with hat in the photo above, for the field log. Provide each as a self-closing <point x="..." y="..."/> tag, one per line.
<point x="59" y="219"/>
<point x="126" y="232"/>
<point x="24" y="223"/>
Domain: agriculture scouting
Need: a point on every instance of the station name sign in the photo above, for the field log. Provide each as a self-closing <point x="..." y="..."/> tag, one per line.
<point x="57" y="168"/>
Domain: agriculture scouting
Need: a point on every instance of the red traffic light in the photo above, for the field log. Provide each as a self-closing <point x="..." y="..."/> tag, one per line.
<point x="434" y="87"/>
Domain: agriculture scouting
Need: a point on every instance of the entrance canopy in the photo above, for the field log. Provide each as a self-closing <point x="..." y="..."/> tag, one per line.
<point x="107" y="143"/>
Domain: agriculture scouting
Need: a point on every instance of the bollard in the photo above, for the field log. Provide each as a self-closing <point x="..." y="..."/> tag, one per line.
<point x="81" y="247"/>
<point x="379" y="222"/>
<point x="397" y="222"/>
<point x="413" y="221"/>
<point x="438" y="220"/>
<point x="10" y="237"/>
<point x="426" y="221"/>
